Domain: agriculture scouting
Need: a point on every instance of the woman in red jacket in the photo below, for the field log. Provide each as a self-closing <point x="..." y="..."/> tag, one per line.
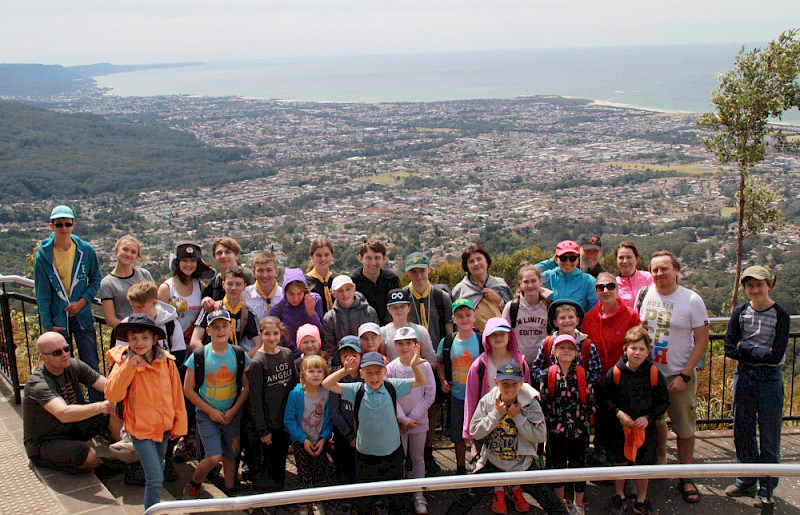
<point x="606" y="324"/>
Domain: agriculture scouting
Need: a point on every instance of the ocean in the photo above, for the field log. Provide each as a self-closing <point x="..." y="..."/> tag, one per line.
<point x="670" y="78"/>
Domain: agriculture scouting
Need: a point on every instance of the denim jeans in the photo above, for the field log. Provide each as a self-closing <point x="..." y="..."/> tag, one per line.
<point x="86" y="341"/>
<point x="757" y="399"/>
<point x="151" y="456"/>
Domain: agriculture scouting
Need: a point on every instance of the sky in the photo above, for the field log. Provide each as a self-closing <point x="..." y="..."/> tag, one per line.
<point x="160" y="31"/>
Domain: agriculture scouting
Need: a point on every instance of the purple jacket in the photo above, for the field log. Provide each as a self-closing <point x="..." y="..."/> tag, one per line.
<point x="295" y="316"/>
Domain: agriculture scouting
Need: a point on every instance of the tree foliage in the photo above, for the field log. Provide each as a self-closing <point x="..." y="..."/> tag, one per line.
<point x="761" y="86"/>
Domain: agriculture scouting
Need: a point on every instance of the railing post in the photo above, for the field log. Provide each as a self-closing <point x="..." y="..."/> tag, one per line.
<point x="10" y="347"/>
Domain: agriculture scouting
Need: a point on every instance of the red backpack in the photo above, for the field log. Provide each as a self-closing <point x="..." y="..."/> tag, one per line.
<point x="586" y="350"/>
<point x="583" y="391"/>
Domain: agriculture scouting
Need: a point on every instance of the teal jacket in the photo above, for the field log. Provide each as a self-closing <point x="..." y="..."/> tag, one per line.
<point x="51" y="296"/>
<point x="576" y="286"/>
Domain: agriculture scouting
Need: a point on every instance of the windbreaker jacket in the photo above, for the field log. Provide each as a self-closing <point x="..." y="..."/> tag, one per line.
<point x="294" y="412"/>
<point x="51" y="296"/>
<point x="607" y="332"/>
<point x="629" y="286"/>
<point x="530" y="422"/>
<point x="576" y="286"/>
<point x="152" y="395"/>
<point x="295" y="316"/>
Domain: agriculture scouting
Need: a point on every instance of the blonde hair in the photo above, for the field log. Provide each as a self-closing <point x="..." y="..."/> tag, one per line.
<point x="130" y="239"/>
<point x="309" y="362"/>
<point x="263" y="258"/>
<point x="606" y="275"/>
<point x="227" y="242"/>
<point x="318" y="243"/>
<point x="566" y="307"/>
<point x="636" y="334"/>
<point x="142" y="292"/>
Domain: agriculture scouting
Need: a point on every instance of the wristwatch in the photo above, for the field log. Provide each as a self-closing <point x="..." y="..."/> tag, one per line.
<point x="686" y="378"/>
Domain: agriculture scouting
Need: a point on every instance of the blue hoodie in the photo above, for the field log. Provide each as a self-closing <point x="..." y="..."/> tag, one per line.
<point x="295" y="316"/>
<point x="51" y="296"/>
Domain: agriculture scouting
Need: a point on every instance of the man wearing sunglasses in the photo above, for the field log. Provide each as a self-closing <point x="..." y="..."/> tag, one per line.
<point x="56" y="419"/>
<point x="67" y="277"/>
<point x="567" y="280"/>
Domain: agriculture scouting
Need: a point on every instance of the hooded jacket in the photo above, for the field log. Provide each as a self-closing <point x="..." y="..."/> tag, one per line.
<point x="295" y="316"/>
<point x="166" y="313"/>
<point x="476" y="389"/>
<point x="576" y="286"/>
<point x="634" y="394"/>
<point x="607" y="331"/>
<point x="152" y="394"/>
<point x="629" y="286"/>
<point x="530" y="422"/>
<point x="51" y="296"/>
<point x="339" y="321"/>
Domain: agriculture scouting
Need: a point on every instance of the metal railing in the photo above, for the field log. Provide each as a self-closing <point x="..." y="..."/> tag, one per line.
<point x="20" y="325"/>
<point x="431" y="484"/>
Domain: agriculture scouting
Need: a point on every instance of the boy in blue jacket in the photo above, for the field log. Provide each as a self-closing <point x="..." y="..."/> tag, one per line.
<point x="67" y="276"/>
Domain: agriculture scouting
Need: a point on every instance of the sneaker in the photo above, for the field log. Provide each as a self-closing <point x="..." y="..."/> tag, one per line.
<point x="642" y="507"/>
<point x="739" y="490"/>
<point x="761" y="498"/>
<point x="190" y="492"/>
<point x="617" y="505"/>
<point x="576" y="510"/>
<point x="123" y="450"/>
<point x="520" y="503"/>
<point x="499" y="503"/>
<point x="431" y="467"/>
<point x="420" y="504"/>
<point x="184" y="450"/>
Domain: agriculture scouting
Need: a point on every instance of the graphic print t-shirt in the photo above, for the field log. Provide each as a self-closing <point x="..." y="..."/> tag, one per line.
<point x="462" y="354"/>
<point x="503" y="443"/>
<point x="313" y="414"/>
<point x="670" y="319"/>
<point x="219" y="383"/>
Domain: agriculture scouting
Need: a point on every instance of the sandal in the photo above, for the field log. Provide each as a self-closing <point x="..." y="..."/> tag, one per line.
<point x="691" y="496"/>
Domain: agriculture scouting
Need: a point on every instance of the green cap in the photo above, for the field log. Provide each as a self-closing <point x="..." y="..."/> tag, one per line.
<point x="460" y="303"/>
<point x="417" y="260"/>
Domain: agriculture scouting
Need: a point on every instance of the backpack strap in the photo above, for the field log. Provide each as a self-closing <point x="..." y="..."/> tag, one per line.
<point x="586" y="352"/>
<point x="392" y="392"/>
<point x="169" y="328"/>
<point x="362" y="389"/>
<point x="481" y="373"/>
<point x="547" y="347"/>
<point x="439" y="303"/>
<point x="616" y="374"/>
<point x="447" y="344"/>
<point x="552" y="374"/>
<point x="514" y="312"/>
<point x="583" y="391"/>
<point x="244" y="314"/>
<point x="199" y="368"/>
<point x="640" y="298"/>
<point x="653" y="376"/>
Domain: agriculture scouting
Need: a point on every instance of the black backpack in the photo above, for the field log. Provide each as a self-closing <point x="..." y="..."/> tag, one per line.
<point x="360" y="396"/>
<point x="200" y="368"/>
<point x="447" y="345"/>
<point x="514" y="312"/>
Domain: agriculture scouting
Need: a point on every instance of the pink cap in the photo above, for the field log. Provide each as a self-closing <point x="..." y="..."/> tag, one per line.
<point x="308" y="330"/>
<point x="564" y="338"/>
<point x="567" y="247"/>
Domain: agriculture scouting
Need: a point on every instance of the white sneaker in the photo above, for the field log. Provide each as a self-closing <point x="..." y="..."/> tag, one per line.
<point x="420" y="504"/>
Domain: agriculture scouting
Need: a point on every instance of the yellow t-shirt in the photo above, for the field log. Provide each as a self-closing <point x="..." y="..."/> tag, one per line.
<point x="64" y="261"/>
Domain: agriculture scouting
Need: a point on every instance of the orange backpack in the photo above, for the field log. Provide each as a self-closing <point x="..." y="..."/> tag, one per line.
<point x="617" y="373"/>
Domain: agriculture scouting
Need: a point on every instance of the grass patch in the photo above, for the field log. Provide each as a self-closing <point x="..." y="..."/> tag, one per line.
<point x="694" y="169"/>
<point x="728" y="211"/>
<point x="387" y="179"/>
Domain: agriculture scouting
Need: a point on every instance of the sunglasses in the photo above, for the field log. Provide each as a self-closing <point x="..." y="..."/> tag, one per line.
<point x="56" y="353"/>
<point x="571" y="258"/>
<point x="63" y="224"/>
<point x="603" y="287"/>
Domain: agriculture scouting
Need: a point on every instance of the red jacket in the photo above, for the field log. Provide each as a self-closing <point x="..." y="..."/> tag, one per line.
<point x="607" y="332"/>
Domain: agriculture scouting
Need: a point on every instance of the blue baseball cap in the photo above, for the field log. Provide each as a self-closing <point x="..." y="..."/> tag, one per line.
<point x="509" y="370"/>
<point x="350" y="341"/>
<point x="372" y="358"/>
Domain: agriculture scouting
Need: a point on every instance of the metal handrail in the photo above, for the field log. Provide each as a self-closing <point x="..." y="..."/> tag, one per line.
<point x="400" y="486"/>
<point x="724" y="320"/>
<point x="18" y="279"/>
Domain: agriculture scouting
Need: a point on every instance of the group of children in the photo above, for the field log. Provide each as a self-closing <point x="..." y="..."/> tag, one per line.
<point x="271" y="368"/>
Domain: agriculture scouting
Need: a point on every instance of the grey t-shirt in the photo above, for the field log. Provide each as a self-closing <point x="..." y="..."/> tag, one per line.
<point x="116" y="289"/>
<point x="42" y="387"/>
<point x="314" y="415"/>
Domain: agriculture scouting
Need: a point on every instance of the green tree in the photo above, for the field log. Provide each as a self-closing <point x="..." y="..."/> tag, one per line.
<point x="761" y="86"/>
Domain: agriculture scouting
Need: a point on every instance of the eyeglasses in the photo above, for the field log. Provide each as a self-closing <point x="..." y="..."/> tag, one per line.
<point x="603" y="287"/>
<point x="63" y="224"/>
<point x="571" y="258"/>
<point x="56" y="353"/>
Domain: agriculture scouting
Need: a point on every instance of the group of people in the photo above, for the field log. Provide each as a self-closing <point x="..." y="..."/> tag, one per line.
<point x="344" y="370"/>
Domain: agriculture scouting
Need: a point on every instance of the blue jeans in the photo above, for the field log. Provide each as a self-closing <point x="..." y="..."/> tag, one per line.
<point x="757" y="399"/>
<point x="151" y="456"/>
<point x="86" y="340"/>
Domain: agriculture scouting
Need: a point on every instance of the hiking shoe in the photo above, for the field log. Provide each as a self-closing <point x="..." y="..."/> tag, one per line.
<point x="420" y="504"/>
<point x="520" y="503"/>
<point x="642" y="507"/>
<point x="190" y="492"/>
<point x="617" y="505"/>
<point x="499" y="503"/>
<point x="740" y="490"/>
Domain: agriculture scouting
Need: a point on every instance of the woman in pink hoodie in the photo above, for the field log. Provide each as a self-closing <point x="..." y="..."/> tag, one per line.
<point x="500" y="345"/>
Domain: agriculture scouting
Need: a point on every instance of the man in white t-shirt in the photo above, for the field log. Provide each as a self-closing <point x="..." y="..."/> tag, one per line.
<point x="677" y="320"/>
